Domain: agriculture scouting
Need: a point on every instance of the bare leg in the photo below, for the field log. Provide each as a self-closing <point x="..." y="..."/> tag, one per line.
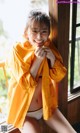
<point x="59" y="123"/>
<point x="31" y="125"/>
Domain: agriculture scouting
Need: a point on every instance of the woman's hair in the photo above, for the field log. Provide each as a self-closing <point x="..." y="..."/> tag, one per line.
<point x="38" y="16"/>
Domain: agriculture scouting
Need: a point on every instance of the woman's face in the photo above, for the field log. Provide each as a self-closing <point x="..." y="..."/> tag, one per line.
<point x="37" y="33"/>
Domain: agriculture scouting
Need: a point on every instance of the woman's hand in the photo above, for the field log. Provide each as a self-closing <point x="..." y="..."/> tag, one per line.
<point x="50" y="56"/>
<point x="40" y="53"/>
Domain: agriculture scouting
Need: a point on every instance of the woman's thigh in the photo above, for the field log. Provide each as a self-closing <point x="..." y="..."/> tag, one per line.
<point x="30" y="125"/>
<point x="59" y="123"/>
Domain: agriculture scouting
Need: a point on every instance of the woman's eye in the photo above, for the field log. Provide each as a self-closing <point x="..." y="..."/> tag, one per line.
<point x="44" y="31"/>
<point x="34" y="31"/>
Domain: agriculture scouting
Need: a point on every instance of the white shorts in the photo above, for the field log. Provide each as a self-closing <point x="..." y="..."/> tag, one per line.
<point x="35" y="114"/>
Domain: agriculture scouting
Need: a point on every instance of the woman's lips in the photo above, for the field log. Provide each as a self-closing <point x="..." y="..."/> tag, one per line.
<point x="39" y="43"/>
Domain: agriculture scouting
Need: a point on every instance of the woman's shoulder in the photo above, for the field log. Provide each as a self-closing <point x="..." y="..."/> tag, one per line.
<point x="21" y="45"/>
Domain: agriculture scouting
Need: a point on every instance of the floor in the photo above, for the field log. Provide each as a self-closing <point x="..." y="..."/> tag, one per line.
<point x="77" y="127"/>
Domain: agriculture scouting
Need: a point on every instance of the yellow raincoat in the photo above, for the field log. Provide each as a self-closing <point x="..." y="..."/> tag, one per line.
<point x="22" y="84"/>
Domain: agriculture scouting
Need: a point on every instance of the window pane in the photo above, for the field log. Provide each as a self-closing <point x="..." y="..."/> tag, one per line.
<point x="78" y="32"/>
<point x="78" y="13"/>
<point x="70" y="27"/>
<point x="77" y="58"/>
<point x="70" y="34"/>
<point x="77" y="64"/>
<point x="69" y="70"/>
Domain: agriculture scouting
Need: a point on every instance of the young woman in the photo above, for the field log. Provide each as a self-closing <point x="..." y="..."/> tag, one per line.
<point x="36" y="67"/>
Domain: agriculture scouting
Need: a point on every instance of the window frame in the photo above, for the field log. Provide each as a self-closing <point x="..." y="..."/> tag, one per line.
<point x="73" y="41"/>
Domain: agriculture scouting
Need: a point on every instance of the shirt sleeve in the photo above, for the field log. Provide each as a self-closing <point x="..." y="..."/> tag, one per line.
<point x="20" y="70"/>
<point x="58" y="71"/>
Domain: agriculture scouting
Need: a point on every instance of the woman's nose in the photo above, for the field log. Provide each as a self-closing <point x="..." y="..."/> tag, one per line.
<point x="39" y="35"/>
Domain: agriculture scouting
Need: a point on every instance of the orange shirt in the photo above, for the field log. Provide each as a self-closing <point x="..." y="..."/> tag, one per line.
<point x="22" y="84"/>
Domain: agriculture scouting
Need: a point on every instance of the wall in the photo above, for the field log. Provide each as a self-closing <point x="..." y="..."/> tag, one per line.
<point x="73" y="114"/>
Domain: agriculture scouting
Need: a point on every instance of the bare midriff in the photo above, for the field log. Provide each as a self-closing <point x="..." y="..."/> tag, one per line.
<point x="36" y="102"/>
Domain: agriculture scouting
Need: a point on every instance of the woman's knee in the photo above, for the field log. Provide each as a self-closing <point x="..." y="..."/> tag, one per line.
<point x="31" y="125"/>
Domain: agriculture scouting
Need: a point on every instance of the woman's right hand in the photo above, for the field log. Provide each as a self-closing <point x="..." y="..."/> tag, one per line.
<point x="40" y="53"/>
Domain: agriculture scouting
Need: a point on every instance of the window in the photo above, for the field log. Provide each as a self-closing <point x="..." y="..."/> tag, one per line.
<point x="74" y="49"/>
<point x="13" y="16"/>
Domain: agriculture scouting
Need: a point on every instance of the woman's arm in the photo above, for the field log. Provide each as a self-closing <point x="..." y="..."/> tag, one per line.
<point x="50" y="56"/>
<point x="40" y="55"/>
<point x="57" y="69"/>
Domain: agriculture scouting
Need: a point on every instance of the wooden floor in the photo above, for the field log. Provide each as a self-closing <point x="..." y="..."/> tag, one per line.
<point x="44" y="128"/>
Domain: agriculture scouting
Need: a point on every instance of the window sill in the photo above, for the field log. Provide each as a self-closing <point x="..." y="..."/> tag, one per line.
<point x="73" y="96"/>
<point x="10" y="128"/>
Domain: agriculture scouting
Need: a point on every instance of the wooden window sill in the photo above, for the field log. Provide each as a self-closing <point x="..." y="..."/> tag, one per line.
<point x="10" y="128"/>
<point x="73" y="96"/>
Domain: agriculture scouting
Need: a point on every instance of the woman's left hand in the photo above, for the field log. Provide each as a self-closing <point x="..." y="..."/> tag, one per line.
<point x="50" y="56"/>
